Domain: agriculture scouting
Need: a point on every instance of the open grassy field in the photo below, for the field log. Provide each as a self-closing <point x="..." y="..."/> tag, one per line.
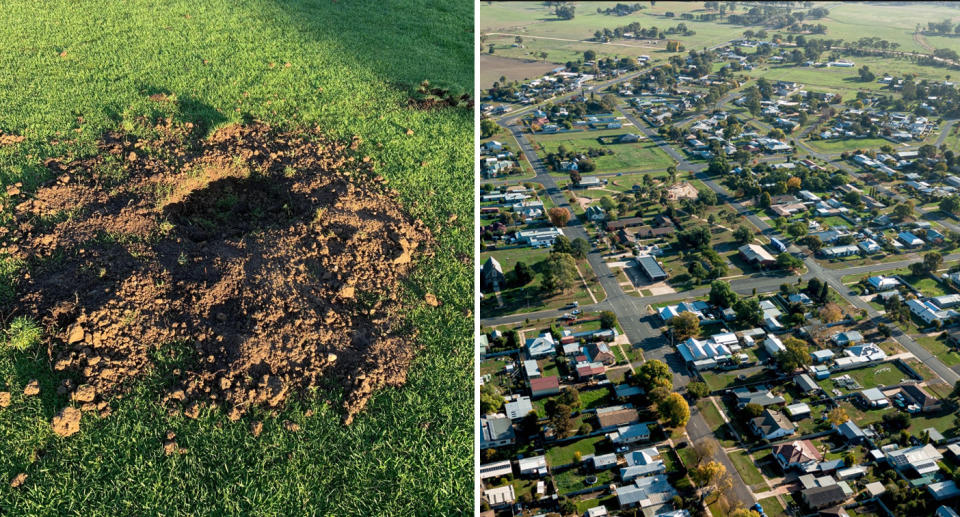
<point x="640" y="156"/>
<point x="74" y="70"/>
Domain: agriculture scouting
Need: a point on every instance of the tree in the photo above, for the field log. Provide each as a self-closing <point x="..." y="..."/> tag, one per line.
<point x="903" y="210"/>
<point x="831" y="313"/>
<point x="654" y="373"/>
<point x="698" y="390"/>
<point x="748" y="312"/>
<point x="608" y="320"/>
<point x="558" y="216"/>
<point x="684" y="325"/>
<point x="560" y="420"/>
<point x="674" y="410"/>
<point x="752" y="410"/>
<point x="812" y="242"/>
<point x="710" y="477"/>
<point x="579" y="248"/>
<point x="721" y="294"/>
<point x="523" y="273"/>
<point x="795" y="355"/>
<point x="488" y="128"/>
<point x="765" y="200"/>
<point x="797" y="229"/>
<point x="530" y="424"/>
<point x="562" y="244"/>
<point x="950" y="205"/>
<point x="490" y="399"/>
<point x="589" y="55"/>
<point x="564" y="11"/>
<point x="743" y="235"/>
<point x="788" y="261"/>
<point x="932" y="261"/>
<point x="697" y="237"/>
<point x="837" y="416"/>
<point x="570" y="396"/>
<point x="560" y="272"/>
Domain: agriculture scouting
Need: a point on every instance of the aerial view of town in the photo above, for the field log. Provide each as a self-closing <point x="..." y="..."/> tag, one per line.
<point x="719" y="258"/>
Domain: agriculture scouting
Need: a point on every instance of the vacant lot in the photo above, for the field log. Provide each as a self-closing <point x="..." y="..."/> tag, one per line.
<point x="74" y="72"/>
<point x="640" y="156"/>
<point x="493" y="67"/>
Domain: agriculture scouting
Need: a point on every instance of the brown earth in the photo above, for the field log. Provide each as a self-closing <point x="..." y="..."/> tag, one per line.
<point x="67" y="422"/>
<point x="258" y="262"/>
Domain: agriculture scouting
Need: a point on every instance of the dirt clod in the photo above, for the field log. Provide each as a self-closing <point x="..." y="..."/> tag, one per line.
<point x="4" y="398"/>
<point x="32" y="388"/>
<point x="291" y="426"/>
<point x="67" y="422"/>
<point x="256" y="428"/>
<point x="253" y="256"/>
<point x="431" y="300"/>
<point x="170" y="447"/>
<point x="18" y="480"/>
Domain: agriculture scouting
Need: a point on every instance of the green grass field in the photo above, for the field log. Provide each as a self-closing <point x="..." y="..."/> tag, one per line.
<point x="644" y="155"/>
<point x="74" y="70"/>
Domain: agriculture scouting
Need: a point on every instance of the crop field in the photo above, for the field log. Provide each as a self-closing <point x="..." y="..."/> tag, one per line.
<point x="77" y="70"/>
<point x="642" y="155"/>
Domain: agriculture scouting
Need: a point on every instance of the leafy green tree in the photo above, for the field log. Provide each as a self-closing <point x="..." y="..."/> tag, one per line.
<point x="579" y="248"/>
<point x="722" y="295"/>
<point x="748" y="312"/>
<point x="488" y="128"/>
<point x="654" y="373"/>
<point x="684" y="325"/>
<point x="697" y="237"/>
<point x="608" y="320"/>
<point x="743" y="235"/>
<point x="559" y="272"/>
<point x="795" y="355"/>
<point x="698" y="389"/>
<point x="490" y="399"/>
<point x="788" y="261"/>
<point x="674" y="410"/>
<point x="523" y="273"/>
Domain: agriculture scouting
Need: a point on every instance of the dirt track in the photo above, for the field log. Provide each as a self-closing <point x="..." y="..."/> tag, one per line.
<point x="249" y="267"/>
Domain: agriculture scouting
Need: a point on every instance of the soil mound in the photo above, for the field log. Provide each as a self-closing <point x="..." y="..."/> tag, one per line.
<point x="259" y="262"/>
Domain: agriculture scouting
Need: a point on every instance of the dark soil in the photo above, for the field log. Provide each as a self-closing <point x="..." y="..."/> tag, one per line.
<point x="259" y="262"/>
<point x="427" y="98"/>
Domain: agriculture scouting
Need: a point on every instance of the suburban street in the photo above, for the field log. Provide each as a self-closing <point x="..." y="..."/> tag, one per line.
<point x="642" y="326"/>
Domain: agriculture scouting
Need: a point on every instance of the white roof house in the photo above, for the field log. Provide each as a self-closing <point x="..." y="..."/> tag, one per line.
<point x="494" y="470"/>
<point x="500" y="496"/>
<point x="541" y="346"/>
<point x="646" y="492"/>
<point x="882" y="283"/>
<point x="773" y="345"/>
<point x="717" y="345"/>
<point x="518" y="408"/>
<point x="536" y="465"/>
<point x="922" y="459"/>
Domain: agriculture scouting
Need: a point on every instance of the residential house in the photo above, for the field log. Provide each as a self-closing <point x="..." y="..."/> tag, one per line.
<point x="798" y="411"/>
<point x="542" y="346"/>
<point x="772" y="425"/>
<point x="759" y="395"/>
<point x="851" y="432"/>
<point x="651" y="268"/>
<point x="533" y="466"/>
<point x="630" y="434"/>
<point x="646" y="492"/>
<point x="805" y="383"/>
<point x="920" y="459"/>
<point x="882" y="283"/>
<point x="600" y="351"/>
<point x="496" y="431"/>
<point x="823" y="496"/>
<point x="874" y="398"/>
<point x="645" y="462"/>
<point x="495" y="470"/>
<point x="927" y="402"/>
<point x="595" y="213"/>
<point x="544" y="387"/>
<point x="518" y="407"/>
<point x="848" y="338"/>
<point x="500" y="497"/>
<point x="798" y="454"/>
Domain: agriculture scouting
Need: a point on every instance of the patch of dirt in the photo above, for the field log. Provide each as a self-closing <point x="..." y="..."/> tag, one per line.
<point x="18" y="480"/>
<point x="427" y="98"/>
<point x="8" y="139"/>
<point x="247" y="267"/>
<point x="32" y="388"/>
<point x="67" y="422"/>
<point x="4" y="398"/>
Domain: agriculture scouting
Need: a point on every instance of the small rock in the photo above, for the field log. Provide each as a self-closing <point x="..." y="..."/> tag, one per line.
<point x="347" y="292"/>
<point x="409" y="132"/>
<point x="32" y="388"/>
<point x="132" y="156"/>
<point x="331" y="357"/>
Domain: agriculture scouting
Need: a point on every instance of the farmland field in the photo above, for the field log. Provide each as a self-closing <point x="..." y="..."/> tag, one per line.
<point x="75" y="70"/>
